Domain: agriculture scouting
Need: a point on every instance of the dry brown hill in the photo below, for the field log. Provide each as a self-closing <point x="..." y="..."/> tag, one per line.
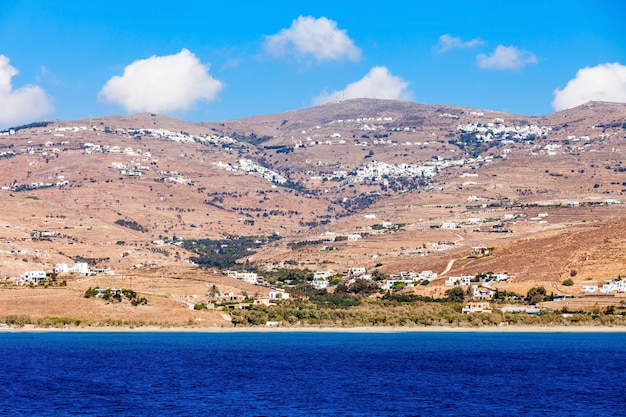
<point x="125" y="192"/>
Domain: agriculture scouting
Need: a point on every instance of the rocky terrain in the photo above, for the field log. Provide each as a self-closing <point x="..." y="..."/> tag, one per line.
<point x="375" y="185"/>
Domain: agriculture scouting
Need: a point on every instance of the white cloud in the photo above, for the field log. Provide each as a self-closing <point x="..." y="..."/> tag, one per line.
<point x="377" y="83"/>
<point x="605" y="82"/>
<point x="448" y="42"/>
<point x="23" y="104"/>
<point x="310" y="36"/>
<point x="162" y="84"/>
<point x="506" y="57"/>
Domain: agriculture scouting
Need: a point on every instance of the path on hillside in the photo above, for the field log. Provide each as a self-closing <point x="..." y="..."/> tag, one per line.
<point x="448" y="267"/>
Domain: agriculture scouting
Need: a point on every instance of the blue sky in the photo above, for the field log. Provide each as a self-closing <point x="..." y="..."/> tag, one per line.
<point x="209" y="61"/>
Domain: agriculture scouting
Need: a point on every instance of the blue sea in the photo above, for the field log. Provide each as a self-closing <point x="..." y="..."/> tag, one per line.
<point x="312" y="374"/>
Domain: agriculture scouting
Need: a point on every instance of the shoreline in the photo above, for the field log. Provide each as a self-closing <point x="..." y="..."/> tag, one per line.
<point x="366" y="329"/>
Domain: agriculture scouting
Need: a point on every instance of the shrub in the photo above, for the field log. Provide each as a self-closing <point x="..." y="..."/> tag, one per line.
<point x="568" y="282"/>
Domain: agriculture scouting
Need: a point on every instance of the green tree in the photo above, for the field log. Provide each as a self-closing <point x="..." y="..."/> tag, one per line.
<point x="536" y="295"/>
<point x="456" y="294"/>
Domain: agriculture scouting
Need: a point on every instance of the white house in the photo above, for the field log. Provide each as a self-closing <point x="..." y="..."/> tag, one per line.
<point x="391" y="283"/>
<point x="61" y="269"/>
<point x="320" y="283"/>
<point x="479" y="251"/>
<point x="449" y="225"/>
<point x="279" y="295"/>
<point x="357" y="270"/>
<point x="482" y="293"/>
<point x="32" y="276"/>
<point x="462" y="280"/>
<point x="589" y="288"/>
<point x="613" y="285"/>
<point x="354" y="237"/>
<point x="427" y="274"/>
<point x="608" y="287"/>
<point x="322" y="274"/>
<point x="80" y="268"/>
<point x="250" y="277"/>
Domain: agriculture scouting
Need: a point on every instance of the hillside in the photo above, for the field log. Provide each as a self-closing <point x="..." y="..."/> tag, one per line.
<point x="420" y="185"/>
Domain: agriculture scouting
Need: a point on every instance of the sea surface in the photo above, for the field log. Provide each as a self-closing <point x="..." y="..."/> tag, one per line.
<point x="312" y="374"/>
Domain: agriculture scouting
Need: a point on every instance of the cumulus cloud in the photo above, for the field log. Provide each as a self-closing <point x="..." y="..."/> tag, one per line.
<point x="162" y="84"/>
<point x="377" y="83"/>
<point x="319" y="38"/>
<point x="605" y="82"/>
<point x="506" y="58"/>
<point x="23" y="104"/>
<point x="448" y="42"/>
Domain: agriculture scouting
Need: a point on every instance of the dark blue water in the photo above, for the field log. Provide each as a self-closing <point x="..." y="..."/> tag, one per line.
<point x="313" y="374"/>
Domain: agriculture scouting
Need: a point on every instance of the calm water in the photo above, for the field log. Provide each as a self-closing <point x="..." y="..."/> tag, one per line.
<point x="313" y="374"/>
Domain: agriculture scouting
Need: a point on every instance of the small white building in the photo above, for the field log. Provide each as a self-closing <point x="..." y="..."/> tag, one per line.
<point x="354" y="237"/>
<point x="250" y="277"/>
<point x="320" y="283"/>
<point x="479" y="251"/>
<point x="449" y="225"/>
<point x="278" y="295"/>
<point x="80" y="268"/>
<point x="483" y="293"/>
<point x="34" y="277"/>
<point x="392" y="282"/>
<point x="61" y="269"/>
<point x="462" y="280"/>
<point x="322" y="274"/>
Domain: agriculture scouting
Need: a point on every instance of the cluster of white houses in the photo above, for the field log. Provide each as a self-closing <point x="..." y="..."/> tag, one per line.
<point x="408" y="279"/>
<point x="473" y="279"/>
<point x="321" y="279"/>
<point x="79" y="268"/>
<point x="614" y="285"/>
<point x="249" y="166"/>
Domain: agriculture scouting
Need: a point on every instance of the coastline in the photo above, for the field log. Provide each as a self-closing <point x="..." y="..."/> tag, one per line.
<point x="367" y="329"/>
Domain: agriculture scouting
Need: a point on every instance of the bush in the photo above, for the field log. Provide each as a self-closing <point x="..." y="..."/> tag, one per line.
<point x="91" y="292"/>
<point x="568" y="282"/>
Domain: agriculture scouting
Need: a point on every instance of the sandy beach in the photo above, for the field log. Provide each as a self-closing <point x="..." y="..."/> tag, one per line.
<point x="368" y="329"/>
